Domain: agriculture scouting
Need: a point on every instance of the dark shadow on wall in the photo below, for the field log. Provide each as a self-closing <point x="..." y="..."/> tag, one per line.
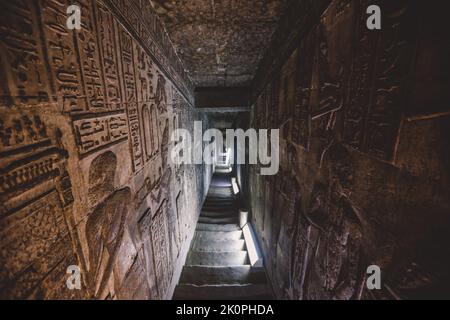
<point x="364" y="175"/>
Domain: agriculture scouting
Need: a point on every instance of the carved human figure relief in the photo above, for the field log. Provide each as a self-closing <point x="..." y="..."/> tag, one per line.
<point x="105" y="225"/>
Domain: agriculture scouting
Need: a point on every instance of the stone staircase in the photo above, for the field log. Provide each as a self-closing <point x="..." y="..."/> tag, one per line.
<point x="218" y="266"/>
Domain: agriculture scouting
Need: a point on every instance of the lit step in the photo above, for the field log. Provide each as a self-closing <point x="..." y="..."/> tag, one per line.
<point x="218" y="245"/>
<point x="219" y="221"/>
<point x="202" y="258"/>
<point x="217" y="227"/>
<point x="203" y="275"/>
<point x="219" y="235"/>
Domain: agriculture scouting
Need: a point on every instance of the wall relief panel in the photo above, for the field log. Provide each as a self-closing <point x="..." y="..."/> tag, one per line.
<point x="85" y="122"/>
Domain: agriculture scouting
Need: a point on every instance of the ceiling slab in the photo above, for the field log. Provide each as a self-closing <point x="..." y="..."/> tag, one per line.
<point x="221" y="42"/>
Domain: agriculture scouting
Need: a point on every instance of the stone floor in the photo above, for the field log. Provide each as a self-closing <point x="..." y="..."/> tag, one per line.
<point x="217" y="266"/>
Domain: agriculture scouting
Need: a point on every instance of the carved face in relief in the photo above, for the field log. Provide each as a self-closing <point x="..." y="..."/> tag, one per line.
<point x="101" y="176"/>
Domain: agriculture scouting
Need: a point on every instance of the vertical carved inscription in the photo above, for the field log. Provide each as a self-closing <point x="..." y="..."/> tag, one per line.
<point x="302" y="110"/>
<point x="62" y="56"/>
<point x="145" y="75"/>
<point x="363" y="61"/>
<point x="89" y="56"/>
<point x="393" y="63"/>
<point x="129" y="85"/>
<point x="381" y="61"/>
<point x="333" y="56"/>
<point x="107" y="30"/>
<point x="151" y="130"/>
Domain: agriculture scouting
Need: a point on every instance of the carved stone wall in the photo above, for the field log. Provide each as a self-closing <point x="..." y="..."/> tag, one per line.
<point x="364" y="174"/>
<point x="85" y="122"/>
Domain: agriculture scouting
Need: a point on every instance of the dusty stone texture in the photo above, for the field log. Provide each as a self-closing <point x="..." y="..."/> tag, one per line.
<point x="85" y="121"/>
<point x="221" y="42"/>
<point x="364" y="174"/>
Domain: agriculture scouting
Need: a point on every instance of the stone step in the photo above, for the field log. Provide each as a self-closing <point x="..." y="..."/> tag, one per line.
<point x="210" y="220"/>
<point x="202" y="275"/>
<point x="220" y="164"/>
<point x="217" y="227"/>
<point x="219" y="214"/>
<point x="220" y="195"/>
<point x="218" y="205"/>
<point x="219" y="202"/>
<point x="219" y="208"/>
<point x="219" y="235"/>
<point x="221" y="176"/>
<point x="220" y="190"/>
<point x="202" y="258"/>
<point x="225" y="292"/>
<point x="224" y="170"/>
<point x="218" y="245"/>
<point x="221" y="184"/>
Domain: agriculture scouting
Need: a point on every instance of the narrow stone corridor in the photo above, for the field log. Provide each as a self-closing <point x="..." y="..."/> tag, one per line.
<point x="218" y="265"/>
<point x="113" y="185"/>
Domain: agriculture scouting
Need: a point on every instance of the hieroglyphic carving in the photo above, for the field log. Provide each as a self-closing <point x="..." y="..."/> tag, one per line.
<point x="363" y="62"/>
<point x="151" y="130"/>
<point x="160" y="241"/>
<point x="394" y="58"/>
<point x="146" y="79"/>
<point x="92" y="134"/>
<point x="107" y="36"/>
<point x="30" y="156"/>
<point x="36" y="228"/>
<point x="89" y="56"/>
<point x="35" y="194"/>
<point x="22" y="58"/>
<point x="62" y="56"/>
<point x="141" y="20"/>
<point x="93" y="79"/>
<point x="161" y="96"/>
<point x="21" y="130"/>
<point x="301" y="130"/>
<point x="332" y="58"/>
<point x="375" y="100"/>
<point x="145" y="74"/>
<point x="337" y="265"/>
<point x="129" y="84"/>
